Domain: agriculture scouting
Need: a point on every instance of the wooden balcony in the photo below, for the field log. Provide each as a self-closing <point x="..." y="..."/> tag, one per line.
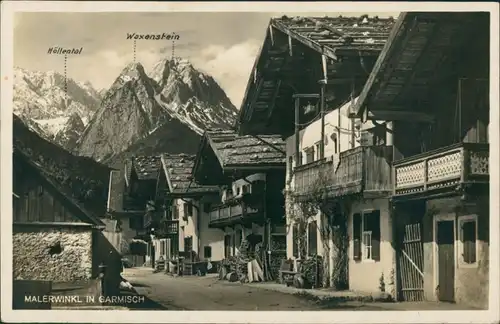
<point x="168" y="227"/>
<point x="228" y="214"/>
<point x="444" y="168"/>
<point x="364" y="169"/>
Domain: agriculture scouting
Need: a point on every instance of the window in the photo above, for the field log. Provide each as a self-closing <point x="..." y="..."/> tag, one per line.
<point x="227" y="246"/>
<point x="366" y="236"/>
<point x="335" y="143"/>
<point x="312" y="239"/>
<point x="300" y="159"/>
<point x="207" y="207"/>
<point x="318" y="150"/>
<point x="295" y="238"/>
<point x="245" y="188"/>
<point x="175" y="212"/>
<point x="468" y="240"/>
<point x="309" y="154"/>
<point x="162" y="247"/>
<point x="207" y="252"/>
<point x="188" y="209"/>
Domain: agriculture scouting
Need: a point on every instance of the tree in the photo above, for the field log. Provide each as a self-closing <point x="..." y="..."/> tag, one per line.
<point x="332" y="226"/>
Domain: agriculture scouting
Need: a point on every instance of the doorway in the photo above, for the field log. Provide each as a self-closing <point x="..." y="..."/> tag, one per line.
<point x="446" y="260"/>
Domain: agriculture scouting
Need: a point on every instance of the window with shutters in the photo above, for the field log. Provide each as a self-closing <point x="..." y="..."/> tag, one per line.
<point x="366" y="236"/>
<point x="468" y="240"/>
<point x="312" y="239"/>
<point x="309" y="154"/>
<point x="295" y="238"/>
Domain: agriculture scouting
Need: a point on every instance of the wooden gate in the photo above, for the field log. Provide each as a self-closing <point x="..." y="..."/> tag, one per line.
<point x="411" y="264"/>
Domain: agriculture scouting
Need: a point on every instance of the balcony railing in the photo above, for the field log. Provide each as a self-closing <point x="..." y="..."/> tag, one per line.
<point x="227" y="212"/>
<point x="366" y="168"/>
<point x="445" y="167"/>
<point x="168" y="227"/>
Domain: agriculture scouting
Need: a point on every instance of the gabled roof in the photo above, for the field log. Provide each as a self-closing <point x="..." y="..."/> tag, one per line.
<point x="78" y="210"/>
<point x="82" y="178"/>
<point x="420" y="45"/>
<point x="235" y="151"/>
<point x="336" y="35"/>
<point x="146" y="167"/>
<point x="286" y="65"/>
<point x="178" y="168"/>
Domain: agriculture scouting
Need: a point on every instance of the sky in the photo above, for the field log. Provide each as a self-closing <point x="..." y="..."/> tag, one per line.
<point x="223" y="44"/>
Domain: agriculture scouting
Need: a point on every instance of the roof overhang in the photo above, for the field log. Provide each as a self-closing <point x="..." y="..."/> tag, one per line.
<point x="417" y="47"/>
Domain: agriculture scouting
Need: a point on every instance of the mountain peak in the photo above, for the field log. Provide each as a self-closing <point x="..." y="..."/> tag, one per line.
<point x="133" y="70"/>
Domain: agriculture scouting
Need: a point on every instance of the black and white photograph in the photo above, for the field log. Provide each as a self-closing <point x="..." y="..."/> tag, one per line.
<point x="176" y="158"/>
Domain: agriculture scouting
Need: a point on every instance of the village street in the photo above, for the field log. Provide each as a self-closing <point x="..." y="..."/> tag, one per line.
<point x="164" y="292"/>
<point x="208" y="293"/>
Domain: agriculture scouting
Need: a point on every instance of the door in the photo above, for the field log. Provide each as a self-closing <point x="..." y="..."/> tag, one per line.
<point x="446" y="260"/>
<point x="188" y="247"/>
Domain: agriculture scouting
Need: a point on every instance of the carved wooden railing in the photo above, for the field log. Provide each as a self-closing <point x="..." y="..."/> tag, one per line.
<point x="362" y="168"/>
<point x="225" y="211"/>
<point x="445" y="167"/>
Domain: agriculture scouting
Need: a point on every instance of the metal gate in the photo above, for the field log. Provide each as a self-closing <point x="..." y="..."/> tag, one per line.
<point x="411" y="263"/>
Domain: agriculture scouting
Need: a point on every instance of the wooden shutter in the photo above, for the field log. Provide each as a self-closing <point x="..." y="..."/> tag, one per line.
<point x="374" y="221"/>
<point x="295" y="238"/>
<point x="469" y="242"/>
<point x="356" y="233"/>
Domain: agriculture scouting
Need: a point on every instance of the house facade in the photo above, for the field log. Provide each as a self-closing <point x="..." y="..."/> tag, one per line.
<point x="123" y="225"/>
<point x="437" y="109"/>
<point x="303" y="87"/>
<point x="54" y="237"/>
<point x="182" y="213"/>
<point x="250" y="174"/>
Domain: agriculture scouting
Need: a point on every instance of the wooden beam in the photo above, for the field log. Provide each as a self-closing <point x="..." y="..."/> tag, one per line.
<point x="305" y="95"/>
<point x="254" y="98"/>
<point x="275" y="95"/>
<point x="324" y="65"/>
<point x="386" y="51"/>
<point x="392" y="115"/>
<point x="304" y="40"/>
<point x="271" y="34"/>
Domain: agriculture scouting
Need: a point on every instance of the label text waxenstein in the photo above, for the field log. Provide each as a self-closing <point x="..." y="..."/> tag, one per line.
<point x="162" y="36"/>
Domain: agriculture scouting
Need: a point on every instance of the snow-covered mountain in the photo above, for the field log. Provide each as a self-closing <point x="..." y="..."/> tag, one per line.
<point x="166" y="110"/>
<point x="175" y="103"/>
<point x="42" y="103"/>
<point x="192" y="96"/>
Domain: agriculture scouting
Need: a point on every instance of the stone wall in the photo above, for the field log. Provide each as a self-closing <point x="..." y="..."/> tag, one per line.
<point x="54" y="254"/>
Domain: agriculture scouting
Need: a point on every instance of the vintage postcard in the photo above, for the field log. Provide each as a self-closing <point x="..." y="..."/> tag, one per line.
<point x="288" y="162"/>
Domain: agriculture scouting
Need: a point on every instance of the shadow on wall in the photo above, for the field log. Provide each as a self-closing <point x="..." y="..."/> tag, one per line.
<point x="104" y="253"/>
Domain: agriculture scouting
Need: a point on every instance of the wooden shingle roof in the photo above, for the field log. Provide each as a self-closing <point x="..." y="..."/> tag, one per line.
<point x="337" y="34"/>
<point x="146" y="167"/>
<point x="298" y="52"/>
<point x="239" y="151"/>
<point x="178" y="168"/>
